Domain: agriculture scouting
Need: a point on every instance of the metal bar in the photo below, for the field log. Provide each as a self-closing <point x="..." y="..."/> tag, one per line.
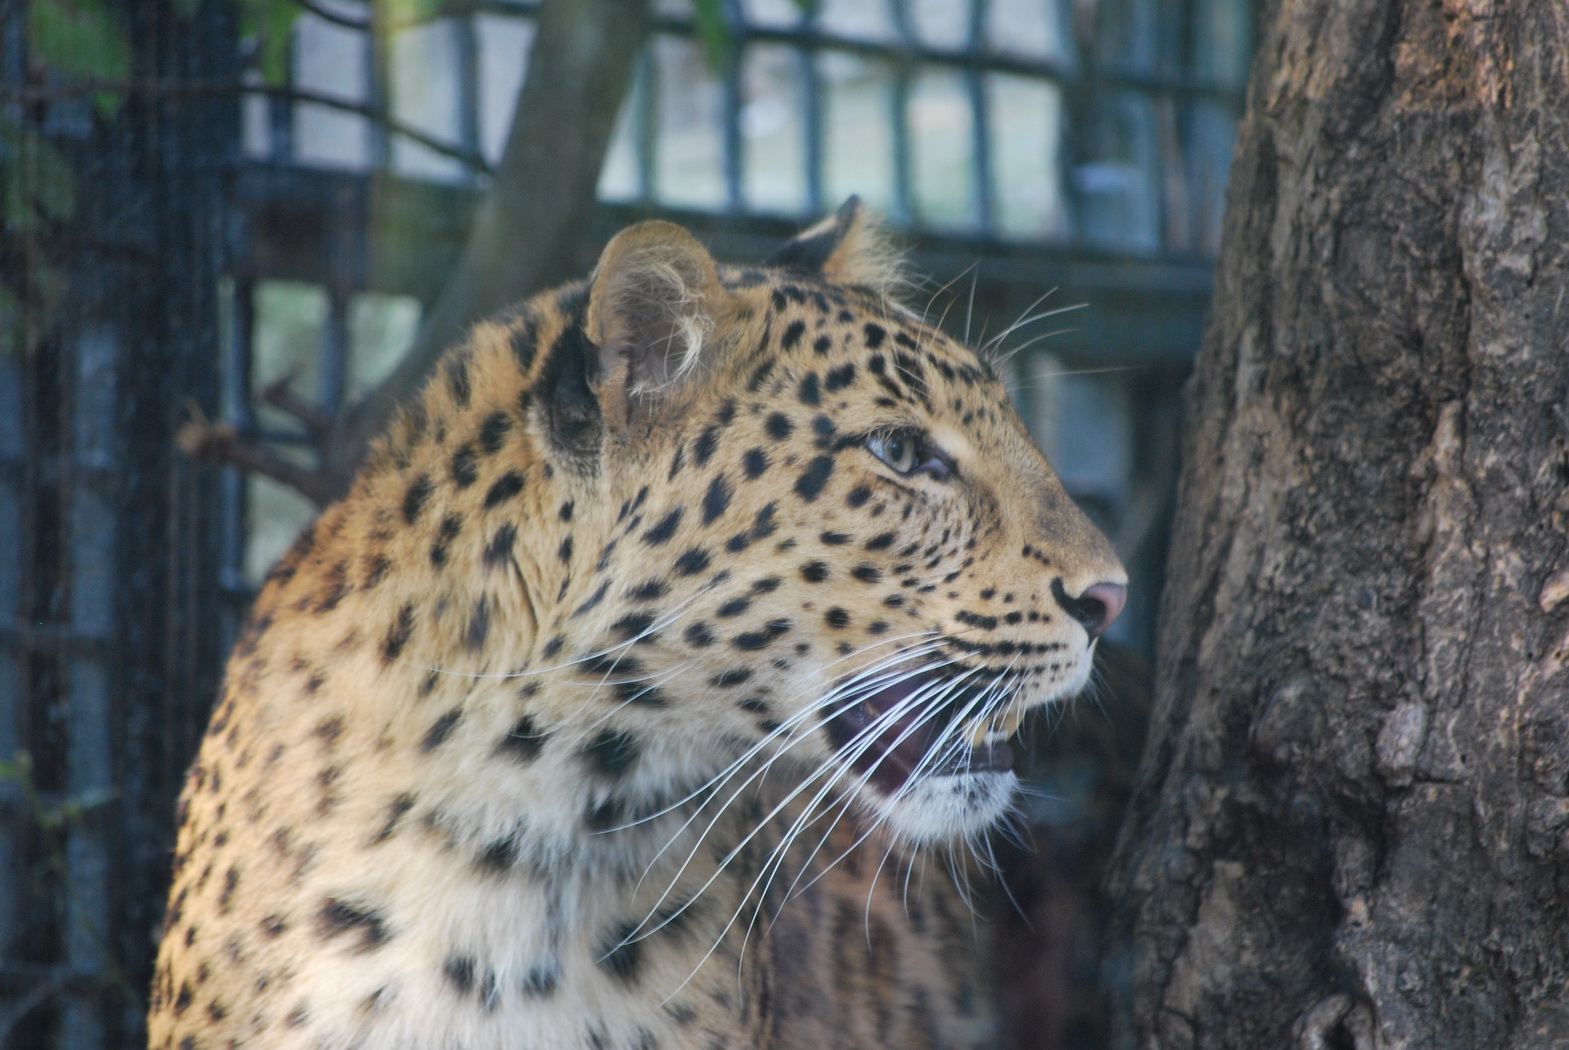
<point x="467" y="46"/>
<point x="645" y="121"/>
<point x="903" y="187"/>
<point x="236" y="399"/>
<point x="812" y="122"/>
<point x="923" y="54"/>
<point x="90" y="759"/>
<point x="334" y="366"/>
<point x="378" y="85"/>
<point x="734" y="145"/>
<point x="980" y="115"/>
<point x="13" y="448"/>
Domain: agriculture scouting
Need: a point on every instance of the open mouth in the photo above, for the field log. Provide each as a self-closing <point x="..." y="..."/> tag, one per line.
<point x="908" y="726"/>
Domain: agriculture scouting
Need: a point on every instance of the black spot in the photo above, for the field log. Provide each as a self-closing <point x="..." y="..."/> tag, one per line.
<point x="766" y="585"/>
<point x="692" y="562"/>
<point x="621" y="956"/>
<point x="703" y="448"/>
<point x="397" y="809"/>
<point x="523" y="340"/>
<point x="867" y="573"/>
<point x="985" y="623"/>
<point x="779" y="426"/>
<point x="564" y="552"/>
<point x="716" y="500"/>
<point x="542" y="979"/>
<point x="735" y="676"/>
<point x="880" y="542"/>
<point x="808" y="391"/>
<point x="523" y="741"/>
<point x="611" y="753"/>
<point x="458" y="378"/>
<point x="451" y="525"/>
<point x="665" y="528"/>
<point x="836" y="617"/>
<point x="414" y="499"/>
<point x="273" y="925"/>
<point x="810" y="484"/>
<point x="734" y="607"/>
<point x="763" y="524"/>
<point x="479" y="624"/>
<point x="814" y="571"/>
<point x="751" y="641"/>
<point x="839" y="378"/>
<point x="503" y="489"/>
<point x="763" y="370"/>
<point x="398" y="634"/>
<point x="593" y="600"/>
<point x="754" y="462"/>
<point x="338" y="916"/>
<point x="459" y="970"/>
<point x="499" y="549"/>
<point x="858" y="496"/>
<point x="648" y="591"/>
<point x="834" y="539"/>
<point x="698" y="635"/>
<point x="633" y="625"/>
<point x="441" y="729"/>
<point x="822" y="344"/>
<point x="498" y="857"/>
<point x="493" y="432"/>
<point x="792" y="335"/>
<point x="463" y="470"/>
<point x="565" y="513"/>
<point x="874" y="335"/>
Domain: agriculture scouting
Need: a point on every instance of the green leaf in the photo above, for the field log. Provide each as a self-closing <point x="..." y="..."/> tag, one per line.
<point x="81" y="38"/>
<point x="38" y="183"/>
<point x="12" y="339"/>
<point x="270" y="24"/>
<point x="714" y="31"/>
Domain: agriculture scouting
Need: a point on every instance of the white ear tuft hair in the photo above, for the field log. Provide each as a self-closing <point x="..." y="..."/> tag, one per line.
<point x="653" y="300"/>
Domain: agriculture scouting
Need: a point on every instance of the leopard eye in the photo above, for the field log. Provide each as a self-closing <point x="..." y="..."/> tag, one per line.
<point x="897" y="449"/>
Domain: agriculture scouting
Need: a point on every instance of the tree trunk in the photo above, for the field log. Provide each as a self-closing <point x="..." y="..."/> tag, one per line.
<point x="1352" y="822"/>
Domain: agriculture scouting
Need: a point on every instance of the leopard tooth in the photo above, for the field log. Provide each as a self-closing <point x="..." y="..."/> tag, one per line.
<point x="996" y="729"/>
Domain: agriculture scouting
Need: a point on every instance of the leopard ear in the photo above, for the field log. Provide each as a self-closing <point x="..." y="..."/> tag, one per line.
<point x="653" y="302"/>
<point x="849" y="246"/>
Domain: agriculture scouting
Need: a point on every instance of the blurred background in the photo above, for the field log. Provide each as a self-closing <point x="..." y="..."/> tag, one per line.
<point x="225" y="198"/>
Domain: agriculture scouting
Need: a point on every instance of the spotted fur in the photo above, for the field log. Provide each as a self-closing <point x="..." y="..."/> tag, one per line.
<point x="634" y="693"/>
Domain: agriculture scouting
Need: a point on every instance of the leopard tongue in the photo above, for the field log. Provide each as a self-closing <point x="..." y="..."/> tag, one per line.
<point x="903" y="743"/>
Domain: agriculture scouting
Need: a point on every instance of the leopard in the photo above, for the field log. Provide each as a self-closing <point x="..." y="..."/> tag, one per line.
<point x="655" y="684"/>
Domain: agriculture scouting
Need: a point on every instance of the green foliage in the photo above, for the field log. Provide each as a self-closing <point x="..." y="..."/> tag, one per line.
<point x="37" y="189"/>
<point x="269" y="24"/>
<point x="82" y="38"/>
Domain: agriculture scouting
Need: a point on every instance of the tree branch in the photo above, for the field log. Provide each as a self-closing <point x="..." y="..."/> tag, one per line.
<point x="526" y="235"/>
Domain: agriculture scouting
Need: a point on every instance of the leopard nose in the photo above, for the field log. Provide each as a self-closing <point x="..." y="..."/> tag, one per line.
<point x="1096" y="608"/>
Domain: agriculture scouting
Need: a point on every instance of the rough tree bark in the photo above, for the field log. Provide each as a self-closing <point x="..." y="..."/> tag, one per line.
<point x="1352" y="824"/>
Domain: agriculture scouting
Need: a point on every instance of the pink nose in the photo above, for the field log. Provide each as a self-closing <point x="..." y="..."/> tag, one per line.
<point x="1096" y="608"/>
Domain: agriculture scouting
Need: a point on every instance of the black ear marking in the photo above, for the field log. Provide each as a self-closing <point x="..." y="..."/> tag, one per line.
<point x="811" y="249"/>
<point x="849" y="246"/>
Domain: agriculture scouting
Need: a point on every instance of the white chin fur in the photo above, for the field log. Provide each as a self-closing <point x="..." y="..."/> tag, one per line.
<point x="934" y="809"/>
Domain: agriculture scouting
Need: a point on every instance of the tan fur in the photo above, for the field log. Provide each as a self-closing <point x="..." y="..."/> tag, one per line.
<point x="633" y="537"/>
